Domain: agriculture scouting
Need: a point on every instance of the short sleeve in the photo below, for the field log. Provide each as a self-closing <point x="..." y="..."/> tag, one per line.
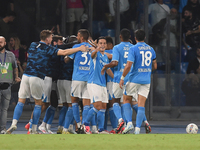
<point x="52" y="50"/>
<point x="131" y="55"/>
<point x="115" y="54"/>
<point x="14" y="62"/>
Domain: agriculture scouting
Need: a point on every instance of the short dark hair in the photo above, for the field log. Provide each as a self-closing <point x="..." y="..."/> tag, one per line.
<point x="56" y="38"/>
<point x="140" y="35"/>
<point x="126" y="34"/>
<point x="188" y="9"/>
<point x="84" y="33"/>
<point x="109" y="40"/>
<point x="45" y="34"/>
<point x="101" y="37"/>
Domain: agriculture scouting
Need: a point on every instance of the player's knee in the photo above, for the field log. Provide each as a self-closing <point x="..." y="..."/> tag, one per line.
<point x="38" y="102"/>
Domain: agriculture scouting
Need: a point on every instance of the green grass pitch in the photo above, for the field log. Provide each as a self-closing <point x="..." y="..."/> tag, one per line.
<point x="101" y="142"/>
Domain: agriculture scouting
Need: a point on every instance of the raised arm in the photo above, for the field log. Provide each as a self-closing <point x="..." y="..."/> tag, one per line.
<point x="70" y="51"/>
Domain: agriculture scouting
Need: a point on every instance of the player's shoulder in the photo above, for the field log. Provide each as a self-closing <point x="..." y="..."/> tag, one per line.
<point x="109" y="51"/>
<point x="34" y="44"/>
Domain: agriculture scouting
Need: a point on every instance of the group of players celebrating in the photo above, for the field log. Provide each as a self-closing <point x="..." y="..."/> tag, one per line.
<point x="103" y="77"/>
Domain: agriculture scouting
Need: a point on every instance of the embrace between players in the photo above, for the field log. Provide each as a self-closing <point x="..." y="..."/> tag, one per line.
<point x="132" y="66"/>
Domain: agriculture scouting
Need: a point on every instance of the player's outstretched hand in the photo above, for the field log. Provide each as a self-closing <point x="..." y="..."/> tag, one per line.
<point x="121" y="83"/>
<point x="103" y="70"/>
<point x="83" y="48"/>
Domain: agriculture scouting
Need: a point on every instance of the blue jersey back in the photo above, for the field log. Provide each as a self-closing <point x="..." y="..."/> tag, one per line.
<point x="96" y="66"/>
<point x="120" y="54"/>
<point x="39" y="56"/>
<point x="109" y="78"/>
<point x="54" y="67"/>
<point x="81" y="63"/>
<point x="66" y="69"/>
<point x="142" y="56"/>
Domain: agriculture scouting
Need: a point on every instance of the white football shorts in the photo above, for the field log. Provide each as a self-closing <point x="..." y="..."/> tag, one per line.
<point x="97" y="93"/>
<point x="133" y="89"/>
<point x="79" y="89"/>
<point x="117" y="91"/>
<point x="47" y="89"/>
<point x="64" y="88"/>
<point x="31" y="86"/>
<point x="109" y="89"/>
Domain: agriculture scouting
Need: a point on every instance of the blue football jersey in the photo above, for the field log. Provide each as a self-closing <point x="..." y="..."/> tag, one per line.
<point x="66" y="69"/>
<point x="39" y="57"/>
<point x="96" y="66"/>
<point x="120" y="54"/>
<point x="81" y="63"/>
<point x="109" y="78"/>
<point x="54" y="67"/>
<point x="142" y="56"/>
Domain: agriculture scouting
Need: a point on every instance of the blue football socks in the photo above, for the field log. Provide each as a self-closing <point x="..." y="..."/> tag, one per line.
<point x="18" y="110"/>
<point x="49" y="112"/>
<point x="50" y="120"/>
<point x="62" y="114"/>
<point x="36" y="114"/>
<point x="101" y="118"/>
<point x="69" y="118"/>
<point x="76" y="114"/>
<point x="113" y="118"/>
<point x="135" y="107"/>
<point x="117" y="110"/>
<point x="93" y="120"/>
<point x="127" y="112"/>
<point x="140" y="116"/>
<point x="86" y="108"/>
<point x="92" y="112"/>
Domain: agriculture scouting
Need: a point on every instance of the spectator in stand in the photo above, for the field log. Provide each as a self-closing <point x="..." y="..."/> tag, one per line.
<point x="190" y="85"/>
<point x="191" y="33"/>
<point x="5" y="7"/>
<point x="74" y="12"/>
<point x="4" y="24"/>
<point x="160" y="29"/>
<point x="15" y="47"/>
<point x="158" y="11"/>
<point x="194" y="6"/>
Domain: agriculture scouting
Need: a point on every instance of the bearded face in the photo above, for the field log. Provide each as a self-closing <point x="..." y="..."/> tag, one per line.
<point x="2" y="44"/>
<point x="2" y="47"/>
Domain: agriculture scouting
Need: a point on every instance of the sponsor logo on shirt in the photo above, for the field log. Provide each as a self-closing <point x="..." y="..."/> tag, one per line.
<point x="144" y="70"/>
<point x="84" y="68"/>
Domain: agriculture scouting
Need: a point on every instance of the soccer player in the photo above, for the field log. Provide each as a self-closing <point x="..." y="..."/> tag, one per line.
<point x="141" y="61"/>
<point x="109" y="85"/>
<point x="65" y="125"/>
<point x="32" y="82"/>
<point x="97" y="85"/>
<point x="52" y="73"/>
<point x="119" y="59"/>
<point x="49" y="90"/>
<point x="80" y="77"/>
